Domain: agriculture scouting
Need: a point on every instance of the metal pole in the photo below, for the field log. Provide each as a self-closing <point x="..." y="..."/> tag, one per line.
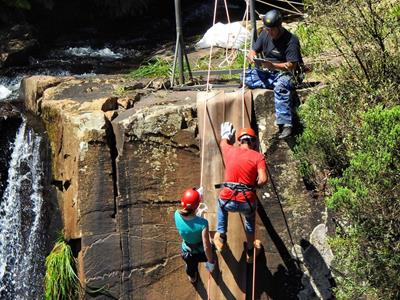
<point x="179" y="39"/>
<point x="253" y="22"/>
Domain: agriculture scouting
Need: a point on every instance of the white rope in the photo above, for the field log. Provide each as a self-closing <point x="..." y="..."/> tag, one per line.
<point x="227" y="42"/>
<point x="281" y="8"/>
<point x="231" y="58"/>
<point x="292" y="2"/>
<point x="211" y="49"/>
<point x="244" y="61"/>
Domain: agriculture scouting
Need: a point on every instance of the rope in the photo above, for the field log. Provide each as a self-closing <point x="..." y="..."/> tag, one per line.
<point x="201" y="173"/>
<point x="211" y="49"/>
<point x="292" y="2"/>
<point x="284" y="216"/>
<point x="244" y="62"/>
<point x="281" y="8"/>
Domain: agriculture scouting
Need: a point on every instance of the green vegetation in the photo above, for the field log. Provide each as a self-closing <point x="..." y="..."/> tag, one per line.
<point x="22" y="4"/>
<point x="61" y="281"/>
<point x="314" y="39"/>
<point x="367" y="199"/>
<point x="352" y="132"/>
<point x="162" y="68"/>
<point x="157" y="67"/>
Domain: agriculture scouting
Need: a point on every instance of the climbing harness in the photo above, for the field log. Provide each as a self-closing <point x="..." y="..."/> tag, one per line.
<point x="236" y="188"/>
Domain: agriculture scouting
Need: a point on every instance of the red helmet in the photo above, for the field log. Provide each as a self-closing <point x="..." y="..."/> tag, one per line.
<point x="190" y="199"/>
<point x="246" y="131"/>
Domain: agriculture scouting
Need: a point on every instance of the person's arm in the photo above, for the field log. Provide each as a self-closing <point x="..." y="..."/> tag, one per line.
<point x="262" y="177"/>
<point x="283" y="66"/>
<point x="224" y="142"/>
<point x="251" y="55"/>
<point x="207" y="245"/>
<point x="227" y="134"/>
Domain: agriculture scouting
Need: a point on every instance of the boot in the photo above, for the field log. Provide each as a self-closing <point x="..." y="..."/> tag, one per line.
<point x="219" y="241"/>
<point x="193" y="280"/>
<point x="287" y="131"/>
<point x="250" y="252"/>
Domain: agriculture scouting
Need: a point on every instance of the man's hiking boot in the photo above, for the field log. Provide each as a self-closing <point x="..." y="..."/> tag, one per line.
<point x="250" y="252"/>
<point x="219" y="241"/>
<point x="287" y="131"/>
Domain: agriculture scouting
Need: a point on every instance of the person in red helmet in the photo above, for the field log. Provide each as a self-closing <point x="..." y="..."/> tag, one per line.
<point x="245" y="169"/>
<point x="196" y="245"/>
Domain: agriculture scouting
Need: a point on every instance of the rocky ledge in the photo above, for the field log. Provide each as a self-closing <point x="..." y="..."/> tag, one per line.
<point x="123" y="151"/>
<point x="16" y="45"/>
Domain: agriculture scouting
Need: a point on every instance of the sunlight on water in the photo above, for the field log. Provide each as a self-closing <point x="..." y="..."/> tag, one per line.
<point x="21" y="261"/>
<point x="90" y="52"/>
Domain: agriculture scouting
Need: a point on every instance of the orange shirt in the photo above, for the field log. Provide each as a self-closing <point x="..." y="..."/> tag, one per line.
<point x="241" y="166"/>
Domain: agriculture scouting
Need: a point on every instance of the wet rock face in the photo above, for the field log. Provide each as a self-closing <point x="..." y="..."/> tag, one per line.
<point x="16" y="45"/>
<point x="119" y="171"/>
<point x="10" y="120"/>
<point x="120" y="163"/>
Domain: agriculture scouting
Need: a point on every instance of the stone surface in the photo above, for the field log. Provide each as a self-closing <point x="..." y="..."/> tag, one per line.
<point x="288" y="214"/>
<point x="16" y="44"/>
<point x="121" y="158"/>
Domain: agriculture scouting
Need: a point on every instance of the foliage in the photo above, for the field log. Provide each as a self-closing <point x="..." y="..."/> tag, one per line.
<point x="314" y="39"/>
<point x="157" y="67"/>
<point x="61" y="281"/>
<point x="22" y="4"/>
<point x="351" y="132"/>
<point x="221" y="60"/>
<point x="367" y="198"/>
<point x="162" y="68"/>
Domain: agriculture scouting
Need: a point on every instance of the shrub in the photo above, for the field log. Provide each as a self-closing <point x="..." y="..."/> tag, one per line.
<point x="351" y="131"/>
<point x="367" y="198"/>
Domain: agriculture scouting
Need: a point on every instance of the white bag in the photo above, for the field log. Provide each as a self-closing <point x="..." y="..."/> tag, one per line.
<point x="232" y="35"/>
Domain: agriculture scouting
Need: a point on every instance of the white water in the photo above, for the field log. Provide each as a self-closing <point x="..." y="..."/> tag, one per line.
<point x="9" y="86"/>
<point x="4" y="92"/>
<point x="90" y="52"/>
<point x="21" y="258"/>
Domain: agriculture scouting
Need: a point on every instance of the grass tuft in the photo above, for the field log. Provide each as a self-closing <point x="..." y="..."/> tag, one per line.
<point x="61" y="281"/>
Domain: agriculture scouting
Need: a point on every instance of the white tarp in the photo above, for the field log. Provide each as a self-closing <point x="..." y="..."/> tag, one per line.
<point x="232" y="35"/>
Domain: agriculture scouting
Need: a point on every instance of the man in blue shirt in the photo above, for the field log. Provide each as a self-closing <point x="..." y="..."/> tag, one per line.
<point x="281" y="50"/>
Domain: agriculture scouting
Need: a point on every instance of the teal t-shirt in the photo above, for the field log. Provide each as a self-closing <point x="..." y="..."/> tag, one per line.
<point x="190" y="231"/>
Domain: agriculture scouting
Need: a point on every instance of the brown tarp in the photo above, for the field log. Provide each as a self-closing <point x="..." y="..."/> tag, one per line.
<point x="229" y="280"/>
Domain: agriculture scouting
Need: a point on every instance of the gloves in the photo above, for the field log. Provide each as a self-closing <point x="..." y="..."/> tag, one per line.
<point x="201" y="209"/>
<point x="210" y="266"/>
<point x="227" y="131"/>
<point x="200" y="190"/>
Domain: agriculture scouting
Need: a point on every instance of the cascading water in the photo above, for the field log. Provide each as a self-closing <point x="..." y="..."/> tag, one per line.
<point x="21" y="225"/>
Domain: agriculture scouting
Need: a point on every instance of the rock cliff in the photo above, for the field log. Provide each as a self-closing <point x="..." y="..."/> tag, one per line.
<point x="121" y="156"/>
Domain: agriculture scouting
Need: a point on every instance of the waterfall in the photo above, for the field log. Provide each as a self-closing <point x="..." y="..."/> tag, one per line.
<point x="21" y="240"/>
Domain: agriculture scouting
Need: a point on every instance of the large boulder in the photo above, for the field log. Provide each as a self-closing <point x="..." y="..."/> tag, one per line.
<point x="121" y="157"/>
<point x="16" y="45"/>
<point x="119" y="172"/>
